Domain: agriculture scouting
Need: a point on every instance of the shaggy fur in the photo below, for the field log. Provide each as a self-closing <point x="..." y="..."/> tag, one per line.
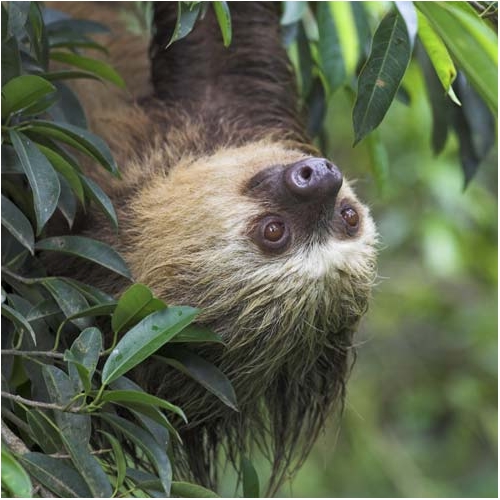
<point x="187" y="150"/>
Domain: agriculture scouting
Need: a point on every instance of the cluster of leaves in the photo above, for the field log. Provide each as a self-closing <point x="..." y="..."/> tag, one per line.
<point x="455" y="46"/>
<point x="61" y="376"/>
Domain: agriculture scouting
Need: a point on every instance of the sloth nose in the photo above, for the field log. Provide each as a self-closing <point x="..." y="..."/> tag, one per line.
<point x="313" y="179"/>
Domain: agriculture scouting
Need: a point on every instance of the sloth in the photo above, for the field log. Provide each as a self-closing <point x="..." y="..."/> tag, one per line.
<point x="224" y="205"/>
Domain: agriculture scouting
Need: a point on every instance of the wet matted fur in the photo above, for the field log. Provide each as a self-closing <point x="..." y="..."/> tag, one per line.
<point x="189" y="135"/>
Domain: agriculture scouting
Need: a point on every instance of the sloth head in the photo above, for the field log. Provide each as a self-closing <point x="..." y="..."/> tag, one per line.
<point x="279" y="253"/>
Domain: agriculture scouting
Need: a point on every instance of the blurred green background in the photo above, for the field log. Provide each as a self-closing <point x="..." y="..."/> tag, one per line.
<point x="421" y="410"/>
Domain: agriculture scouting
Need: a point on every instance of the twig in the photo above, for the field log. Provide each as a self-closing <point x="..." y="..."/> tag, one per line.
<point x="39" y="404"/>
<point x="12" y="441"/>
<point x="48" y="354"/>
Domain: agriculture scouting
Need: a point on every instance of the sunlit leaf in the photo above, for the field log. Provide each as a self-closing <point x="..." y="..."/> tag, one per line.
<point x="292" y="12"/>
<point x="224" y="19"/>
<point x="181" y="489"/>
<point x="15" y="480"/>
<point x="145" y="338"/>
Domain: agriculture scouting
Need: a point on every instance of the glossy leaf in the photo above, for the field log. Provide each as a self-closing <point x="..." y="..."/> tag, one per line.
<point x="68" y="108"/>
<point x="472" y="46"/>
<point x="186" y="19"/>
<point x="79" y="138"/>
<point x="197" y="333"/>
<point x="189" y="490"/>
<point x="96" y="194"/>
<point x="76" y="432"/>
<point x="15" y="480"/>
<point x="331" y="60"/>
<point x="41" y="176"/>
<point x="146" y="338"/>
<point x="22" y="92"/>
<point x="17" y="224"/>
<point x="67" y="202"/>
<point x="18" y="320"/>
<point x="56" y="475"/>
<point x="136" y="303"/>
<point x="224" y="19"/>
<point x="250" y="479"/>
<point x="83" y="357"/>
<point x="156" y="454"/>
<point x="438" y="55"/>
<point x="143" y="398"/>
<point x="382" y="74"/>
<point x="89" y="249"/>
<point x="292" y="12"/>
<point x="99" y="68"/>
<point x="205" y="373"/>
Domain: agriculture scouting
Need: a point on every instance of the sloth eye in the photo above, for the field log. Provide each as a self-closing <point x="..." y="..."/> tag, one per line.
<point x="272" y="234"/>
<point x="351" y="218"/>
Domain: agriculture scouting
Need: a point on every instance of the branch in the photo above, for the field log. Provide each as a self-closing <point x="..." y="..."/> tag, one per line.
<point x="39" y="404"/>
<point x="48" y="354"/>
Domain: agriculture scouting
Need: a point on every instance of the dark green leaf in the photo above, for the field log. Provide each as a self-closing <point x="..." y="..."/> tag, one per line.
<point x="96" y="194"/>
<point x="17" y="224"/>
<point x="188" y="490"/>
<point x="119" y="459"/>
<point x="380" y="77"/>
<point x="79" y="138"/>
<point x="147" y="482"/>
<point x="186" y="19"/>
<point x="135" y="304"/>
<point x="67" y="201"/>
<point x="68" y="109"/>
<point x="208" y="375"/>
<point x="98" y="297"/>
<point x="99" y="310"/>
<point x="362" y="29"/>
<point x="197" y="333"/>
<point x="75" y="432"/>
<point x="15" y="480"/>
<point x="89" y="249"/>
<point x="22" y="92"/>
<point x="331" y="60"/>
<point x="83" y="357"/>
<point x="17" y="17"/>
<point x="305" y="62"/>
<point x="292" y="12"/>
<point x="316" y="104"/>
<point x="20" y="322"/>
<point x="156" y="454"/>
<point x="45" y="308"/>
<point x="37" y="34"/>
<point x="251" y="488"/>
<point x="41" y="177"/>
<point x="11" y="60"/>
<point x="79" y="26"/>
<point x="224" y="19"/>
<point x="56" y="475"/>
<point x="99" y="68"/>
<point x="143" y="398"/>
<point x="145" y="338"/>
<point x="43" y="432"/>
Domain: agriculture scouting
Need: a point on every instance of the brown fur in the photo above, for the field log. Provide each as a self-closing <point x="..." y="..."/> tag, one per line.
<point x="218" y="117"/>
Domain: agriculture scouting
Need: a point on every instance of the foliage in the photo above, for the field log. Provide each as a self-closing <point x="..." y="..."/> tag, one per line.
<point x="61" y="375"/>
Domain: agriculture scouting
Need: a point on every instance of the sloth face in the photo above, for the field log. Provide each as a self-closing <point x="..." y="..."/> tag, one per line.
<point x="253" y="234"/>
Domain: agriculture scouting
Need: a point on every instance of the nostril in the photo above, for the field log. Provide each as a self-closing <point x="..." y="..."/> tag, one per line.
<point x="306" y="173"/>
<point x="329" y="165"/>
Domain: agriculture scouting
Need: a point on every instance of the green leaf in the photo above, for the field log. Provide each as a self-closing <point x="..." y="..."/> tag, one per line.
<point x="75" y="432"/>
<point x="186" y="19"/>
<point x="67" y="201"/>
<point x="438" y="55"/>
<point x="70" y="300"/>
<point x="11" y="60"/>
<point x="18" y="320"/>
<point x="17" y="17"/>
<point x="136" y="303"/>
<point x="56" y="475"/>
<point x="224" y="19"/>
<point x="331" y="60"/>
<point x="93" y="311"/>
<point x="43" y="309"/>
<point x="68" y="108"/>
<point x="472" y="45"/>
<point x="379" y="161"/>
<point x="96" y="194"/>
<point x="205" y="373"/>
<point x="68" y="74"/>
<point x="143" y="398"/>
<point x="197" y="333"/>
<point x="305" y="62"/>
<point x="156" y="454"/>
<point x="15" y="480"/>
<point x="79" y="138"/>
<point x="292" y="12"/>
<point x="189" y="490"/>
<point x="17" y="224"/>
<point x="251" y="488"/>
<point x="382" y="74"/>
<point x="99" y="68"/>
<point x="23" y="92"/>
<point x="145" y="338"/>
<point x="78" y="26"/>
<point x="83" y="357"/>
<point x="43" y="432"/>
<point x="98" y="297"/>
<point x="89" y="249"/>
<point x="41" y="177"/>
<point x="64" y="168"/>
<point x="119" y="459"/>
